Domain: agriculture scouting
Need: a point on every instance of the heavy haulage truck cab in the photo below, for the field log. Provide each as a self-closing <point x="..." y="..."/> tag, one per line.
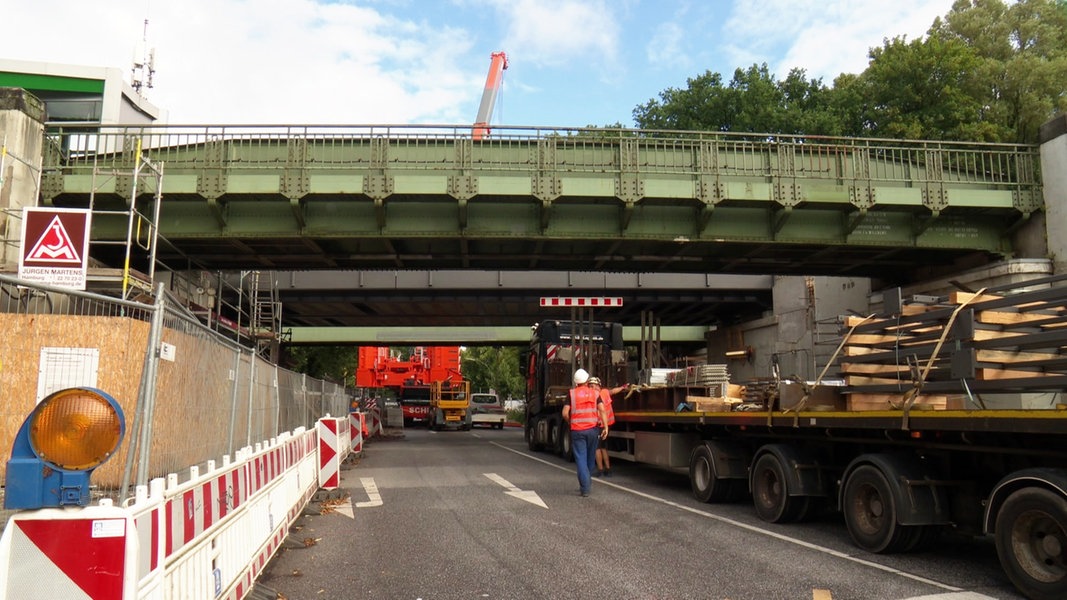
<point x="556" y="350"/>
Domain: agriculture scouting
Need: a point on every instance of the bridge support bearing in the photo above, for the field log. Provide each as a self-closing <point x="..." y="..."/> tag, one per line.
<point x="462" y="187"/>
<point x="378" y="187"/>
<point x="629" y="188"/>
<point x="710" y="192"/>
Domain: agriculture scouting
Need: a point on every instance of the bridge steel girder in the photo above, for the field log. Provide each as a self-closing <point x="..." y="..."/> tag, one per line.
<point x="425" y="194"/>
<point x="396" y="336"/>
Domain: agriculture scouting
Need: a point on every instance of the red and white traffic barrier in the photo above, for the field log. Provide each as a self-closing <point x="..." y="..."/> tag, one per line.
<point x="357" y="422"/>
<point x="79" y="554"/>
<point x="209" y="537"/>
<point x="335" y="441"/>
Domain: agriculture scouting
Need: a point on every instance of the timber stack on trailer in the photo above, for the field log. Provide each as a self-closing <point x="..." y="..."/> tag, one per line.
<point x="944" y="414"/>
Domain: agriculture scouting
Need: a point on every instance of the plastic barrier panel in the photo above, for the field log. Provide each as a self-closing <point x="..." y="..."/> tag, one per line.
<point x="357" y="422"/>
<point x="209" y="537"/>
<point x="73" y="554"/>
<point x="332" y="435"/>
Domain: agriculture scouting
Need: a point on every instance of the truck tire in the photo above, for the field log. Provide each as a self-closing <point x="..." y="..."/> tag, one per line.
<point x="561" y="440"/>
<point x="1031" y="539"/>
<point x="770" y="492"/>
<point x="871" y="513"/>
<point x="531" y="437"/>
<point x="704" y="480"/>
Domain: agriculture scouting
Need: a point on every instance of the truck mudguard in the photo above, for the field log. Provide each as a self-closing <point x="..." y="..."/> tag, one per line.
<point x="1051" y="479"/>
<point x="919" y="498"/>
<point x="804" y="475"/>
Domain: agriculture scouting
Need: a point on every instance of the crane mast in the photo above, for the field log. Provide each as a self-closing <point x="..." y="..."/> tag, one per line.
<point x="497" y="65"/>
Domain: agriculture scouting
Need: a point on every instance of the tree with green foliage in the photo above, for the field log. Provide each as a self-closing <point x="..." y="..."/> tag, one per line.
<point x="987" y="71"/>
<point x="333" y="363"/>
<point x="488" y="368"/>
<point x="924" y="89"/>
<point x="753" y="101"/>
<point x="1021" y="51"/>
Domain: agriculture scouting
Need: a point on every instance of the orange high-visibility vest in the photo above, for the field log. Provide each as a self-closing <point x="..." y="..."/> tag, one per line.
<point x="605" y="396"/>
<point x="583" y="408"/>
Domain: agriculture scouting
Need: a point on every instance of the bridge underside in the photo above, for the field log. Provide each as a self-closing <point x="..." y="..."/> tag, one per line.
<point x="466" y="298"/>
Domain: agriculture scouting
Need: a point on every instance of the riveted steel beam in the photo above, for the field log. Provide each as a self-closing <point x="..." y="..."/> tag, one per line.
<point x="629" y="187"/>
<point x="546" y="198"/>
<point x="213" y="176"/>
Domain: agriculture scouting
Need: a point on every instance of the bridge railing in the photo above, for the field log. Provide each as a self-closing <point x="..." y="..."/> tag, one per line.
<point x="530" y="149"/>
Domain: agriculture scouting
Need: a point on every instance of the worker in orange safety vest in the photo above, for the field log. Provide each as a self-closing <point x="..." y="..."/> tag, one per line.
<point x="603" y="461"/>
<point x="583" y="412"/>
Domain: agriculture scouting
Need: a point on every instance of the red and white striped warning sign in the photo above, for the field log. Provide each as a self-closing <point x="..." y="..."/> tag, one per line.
<point x="77" y="559"/>
<point x="357" y="425"/>
<point x="329" y="454"/>
<point x="581" y="301"/>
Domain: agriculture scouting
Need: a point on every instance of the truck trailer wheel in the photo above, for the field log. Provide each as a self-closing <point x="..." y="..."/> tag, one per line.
<point x="770" y="492"/>
<point x="531" y="437"/>
<point x="1031" y="542"/>
<point x="566" y="452"/>
<point x="704" y="479"/>
<point x="871" y="512"/>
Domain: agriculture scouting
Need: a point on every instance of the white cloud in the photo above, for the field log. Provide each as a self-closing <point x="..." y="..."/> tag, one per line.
<point x="665" y="47"/>
<point x="554" y="32"/>
<point x="824" y="38"/>
<point x="271" y="61"/>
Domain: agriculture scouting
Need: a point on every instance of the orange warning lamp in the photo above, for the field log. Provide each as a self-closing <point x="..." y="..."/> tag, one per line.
<point x="68" y="434"/>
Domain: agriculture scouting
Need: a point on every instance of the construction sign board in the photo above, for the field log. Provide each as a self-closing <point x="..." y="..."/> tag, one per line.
<point x="55" y="246"/>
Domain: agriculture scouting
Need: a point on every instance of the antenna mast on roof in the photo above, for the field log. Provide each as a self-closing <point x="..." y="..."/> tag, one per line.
<point x="144" y="68"/>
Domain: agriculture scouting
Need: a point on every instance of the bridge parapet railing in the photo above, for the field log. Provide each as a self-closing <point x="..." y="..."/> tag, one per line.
<point x="532" y="149"/>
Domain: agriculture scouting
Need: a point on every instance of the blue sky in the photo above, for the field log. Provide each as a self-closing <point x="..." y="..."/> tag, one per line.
<point x="571" y="62"/>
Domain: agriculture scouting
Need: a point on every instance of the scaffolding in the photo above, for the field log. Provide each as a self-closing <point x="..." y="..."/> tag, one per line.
<point x="142" y="230"/>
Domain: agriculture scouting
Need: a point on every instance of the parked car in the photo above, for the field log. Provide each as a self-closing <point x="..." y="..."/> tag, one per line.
<point x="486" y="409"/>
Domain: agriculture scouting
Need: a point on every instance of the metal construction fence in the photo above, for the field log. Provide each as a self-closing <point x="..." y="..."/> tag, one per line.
<point x="189" y="394"/>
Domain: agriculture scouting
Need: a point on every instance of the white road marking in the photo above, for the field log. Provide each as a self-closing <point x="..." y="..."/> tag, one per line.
<point x="345" y="508"/>
<point x="755" y="529"/>
<point x="527" y="495"/>
<point x="373" y="497"/>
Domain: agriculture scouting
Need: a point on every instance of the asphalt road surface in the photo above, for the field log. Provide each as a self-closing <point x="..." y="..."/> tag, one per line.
<point x="475" y="514"/>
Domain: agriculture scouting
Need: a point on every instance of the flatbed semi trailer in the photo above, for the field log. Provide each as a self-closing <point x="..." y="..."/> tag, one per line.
<point x="899" y="479"/>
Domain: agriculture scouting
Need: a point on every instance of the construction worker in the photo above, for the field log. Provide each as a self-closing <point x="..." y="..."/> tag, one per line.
<point x="603" y="461"/>
<point x="583" y="411"/>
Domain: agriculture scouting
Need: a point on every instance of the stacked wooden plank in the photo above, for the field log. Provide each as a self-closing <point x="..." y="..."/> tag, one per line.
<point x="945" y="352"/>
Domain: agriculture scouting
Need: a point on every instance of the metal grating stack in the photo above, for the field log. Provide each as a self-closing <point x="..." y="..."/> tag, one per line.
<point x="714" y="379"/>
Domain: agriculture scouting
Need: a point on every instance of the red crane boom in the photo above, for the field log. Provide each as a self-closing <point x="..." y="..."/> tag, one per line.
<point x="497" y="65"/>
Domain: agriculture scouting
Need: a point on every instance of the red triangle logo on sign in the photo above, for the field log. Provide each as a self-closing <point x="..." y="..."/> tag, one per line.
<point x="54" y="245"/>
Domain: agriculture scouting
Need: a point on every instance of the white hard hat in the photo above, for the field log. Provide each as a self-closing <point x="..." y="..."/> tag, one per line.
<point x="580" y="377"/>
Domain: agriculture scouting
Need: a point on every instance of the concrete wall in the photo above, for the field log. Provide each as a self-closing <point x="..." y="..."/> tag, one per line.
<point x="21" y="135"/>
<point x="1054" y="180"/>
<point x="800" y="333"/>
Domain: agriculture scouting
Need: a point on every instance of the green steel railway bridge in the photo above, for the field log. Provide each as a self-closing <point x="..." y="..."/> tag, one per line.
<point x="330" y="209"/>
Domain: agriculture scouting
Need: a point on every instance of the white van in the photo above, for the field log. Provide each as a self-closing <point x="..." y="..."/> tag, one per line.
<point x="486" y="409"/>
